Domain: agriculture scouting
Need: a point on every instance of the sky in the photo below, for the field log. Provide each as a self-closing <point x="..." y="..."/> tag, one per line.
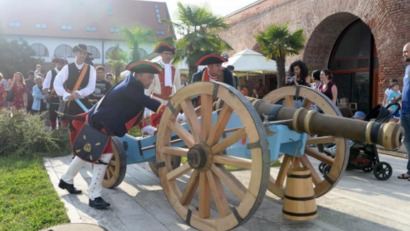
<point x="219" y="7"/>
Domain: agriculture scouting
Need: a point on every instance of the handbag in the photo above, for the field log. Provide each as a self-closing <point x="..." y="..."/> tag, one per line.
<point x="9" y="96"/>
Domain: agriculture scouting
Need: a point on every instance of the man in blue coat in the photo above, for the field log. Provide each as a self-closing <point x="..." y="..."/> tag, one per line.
<point x="120" y="110"/>
<point x="213" y="71"/>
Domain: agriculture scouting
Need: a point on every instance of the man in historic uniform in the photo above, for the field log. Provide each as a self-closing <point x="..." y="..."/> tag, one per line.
<point x="167" y="83"/>
<point x="76" y="81"/>
<point x="213" y="71"/>
<point x="48" y="90"/>
<point x="119" y="110"/>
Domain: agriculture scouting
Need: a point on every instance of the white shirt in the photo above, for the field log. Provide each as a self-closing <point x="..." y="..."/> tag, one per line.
<point x="49" y="76"/>
<point x="62" y="76"/>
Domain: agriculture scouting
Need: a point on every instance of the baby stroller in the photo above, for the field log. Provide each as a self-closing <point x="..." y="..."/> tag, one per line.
<point x="364" y="156"/>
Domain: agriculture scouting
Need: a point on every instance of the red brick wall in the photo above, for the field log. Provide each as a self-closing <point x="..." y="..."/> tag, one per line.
<point x="322" y="22"/>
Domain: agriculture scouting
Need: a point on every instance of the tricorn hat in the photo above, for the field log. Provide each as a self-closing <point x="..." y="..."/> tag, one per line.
<point x="164" y="47"/>
<point x="209" y="58"/>
<point x="81" y="47"/>
<point x="144" y="67"/>
<point x="58" y="60"/>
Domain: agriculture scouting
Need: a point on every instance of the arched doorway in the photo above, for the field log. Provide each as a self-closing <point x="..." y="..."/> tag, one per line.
<point x="354" y="65"/>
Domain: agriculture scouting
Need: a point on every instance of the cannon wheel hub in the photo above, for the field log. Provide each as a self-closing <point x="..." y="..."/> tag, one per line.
<point x="200" y="157"/>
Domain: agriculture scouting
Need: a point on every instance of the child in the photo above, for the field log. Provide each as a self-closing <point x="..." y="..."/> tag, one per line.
<point x="39" y="104"/>
<point x="394" y="93"/>
<point x="388" y="91"/>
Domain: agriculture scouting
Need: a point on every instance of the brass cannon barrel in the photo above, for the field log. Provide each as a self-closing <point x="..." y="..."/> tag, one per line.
<point x="313" y="122"/>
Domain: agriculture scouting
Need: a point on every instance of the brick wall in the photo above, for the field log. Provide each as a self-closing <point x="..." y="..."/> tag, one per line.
<point x="322" y="22"/>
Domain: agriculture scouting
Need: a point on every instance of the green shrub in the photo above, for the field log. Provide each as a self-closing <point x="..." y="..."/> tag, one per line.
<point x="24" y="135"/>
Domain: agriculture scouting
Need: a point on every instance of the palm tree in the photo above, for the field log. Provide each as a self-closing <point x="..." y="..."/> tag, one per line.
<point x="118" y="59"/>
<point x="198" y="28"/>
<point x="136" y="37"/>
<point x="277" y="43"/>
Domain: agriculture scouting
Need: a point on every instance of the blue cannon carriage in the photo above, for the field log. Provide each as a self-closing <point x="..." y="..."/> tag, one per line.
<point x="235" y="135"/>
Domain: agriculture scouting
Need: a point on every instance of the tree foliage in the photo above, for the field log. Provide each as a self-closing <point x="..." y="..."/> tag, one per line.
<point x="118" y="60"/>
<point x="16" y="55"/>
<point x="198" y="28"/>
<point x="277" y="42"/>
<point x="135" y="38"/>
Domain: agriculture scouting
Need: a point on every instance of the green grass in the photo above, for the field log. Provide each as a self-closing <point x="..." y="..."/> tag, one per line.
<point x="28" y="200"/>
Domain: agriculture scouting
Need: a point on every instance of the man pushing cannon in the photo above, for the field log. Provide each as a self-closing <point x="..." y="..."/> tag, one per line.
<point x="116" y="113"/>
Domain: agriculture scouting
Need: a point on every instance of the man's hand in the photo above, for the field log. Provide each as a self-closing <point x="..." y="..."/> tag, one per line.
<point x="70" y="98"/>
<point x="76" y="95"/>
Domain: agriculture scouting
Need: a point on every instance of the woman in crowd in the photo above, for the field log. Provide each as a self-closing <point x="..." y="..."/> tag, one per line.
<point x="2" y="93"/>
<point x="387" y="92"/>
<point x="39" y="104"/>
<point x="328" y="87"/>
<point x="298" y="74"/>
<point x="19" y="89"/>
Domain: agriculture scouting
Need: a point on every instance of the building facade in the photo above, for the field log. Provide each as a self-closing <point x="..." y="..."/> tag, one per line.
<point x="360" y="41"/>
<point x="52" y="27"/>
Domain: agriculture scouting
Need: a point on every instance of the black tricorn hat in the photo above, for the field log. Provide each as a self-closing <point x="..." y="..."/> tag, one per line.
<point x="81" y="47"/>
<point x="58" y="60"/>
<point x="164" y="47"/>
<point x="209" y="58"/>
<point x="144" y="67"/>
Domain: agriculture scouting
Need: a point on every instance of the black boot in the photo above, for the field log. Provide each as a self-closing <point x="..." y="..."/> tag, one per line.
<point x="70" y="187"/>
<point x="98" y="203"/>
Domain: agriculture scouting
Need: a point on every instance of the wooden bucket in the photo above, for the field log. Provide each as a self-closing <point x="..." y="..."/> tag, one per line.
<point x="299" y="199"/>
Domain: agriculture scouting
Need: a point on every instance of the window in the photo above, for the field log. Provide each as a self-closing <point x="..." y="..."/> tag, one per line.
<point x="66" y="27"/>
<point x="158" y="13"/>
<point x="114" y="29"/>
<point x="64" y="51"/>
<point x="91" y="28"/>
<point x="160" y="32"/>
<point x="40" y="49"/>
<point x="109" y="51"/>
<point x="14" y="24"/>
<point x="95" y="51"/>
<point x="110" y="12"/>
<point x="41" y="26"/>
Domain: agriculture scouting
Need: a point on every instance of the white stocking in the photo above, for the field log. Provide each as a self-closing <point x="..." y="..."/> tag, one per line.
<point x="75" y="166"/>
<point x="95" y="187"/>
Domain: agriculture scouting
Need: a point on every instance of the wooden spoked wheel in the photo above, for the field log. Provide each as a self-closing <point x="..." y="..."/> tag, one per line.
<point x="322" y="183"/>
<point x="175" y="162"/>
<point x="117" y="167"/>
<point x="190" y="186"/>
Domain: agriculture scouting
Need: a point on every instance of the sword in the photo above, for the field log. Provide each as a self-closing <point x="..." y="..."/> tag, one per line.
<point x="71" y="117"/>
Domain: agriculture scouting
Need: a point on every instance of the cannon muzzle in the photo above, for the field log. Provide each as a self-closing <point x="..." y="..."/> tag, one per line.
<point x="312" y="122"/>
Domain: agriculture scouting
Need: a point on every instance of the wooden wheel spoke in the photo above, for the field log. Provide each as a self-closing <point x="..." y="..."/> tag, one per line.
<point x="283" y="170"/>
<point x="182" y="133"/>
<point x="320" y="140"/>
<point x="230" y="181"/>
<point x="319" y="156"/>
<point x="229" y="141"/>
<point x="275" y="189"/>
<point x="206" y="117"/>
<point x="190" y="188"/>
<point x="307" y="104"/>
<point x="233" y="161"/>
<point x="204" y="207"/>
<point x="178" y="171"/>
<point x="192" y="119"/>
<point x="112" y="163"/>
<point x="220" y="124"/>
<point x="219" y="194"/>
<point x="307" y="164"/>
<point x="289" y="101"/>
<point x="176" y="151"/>
<point x="108" y="173"/>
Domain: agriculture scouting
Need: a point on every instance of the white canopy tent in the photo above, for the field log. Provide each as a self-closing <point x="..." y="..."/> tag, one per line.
<point x="250" y="61"/>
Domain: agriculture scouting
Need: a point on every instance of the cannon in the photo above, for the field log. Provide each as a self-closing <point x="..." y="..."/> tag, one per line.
<point x="235" y="135"/>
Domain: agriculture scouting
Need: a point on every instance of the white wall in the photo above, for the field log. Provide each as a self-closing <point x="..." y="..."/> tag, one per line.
<point x="53" y="43"/>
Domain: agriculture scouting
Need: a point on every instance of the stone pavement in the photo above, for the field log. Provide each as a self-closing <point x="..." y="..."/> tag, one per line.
<point x="359" y="202"/>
